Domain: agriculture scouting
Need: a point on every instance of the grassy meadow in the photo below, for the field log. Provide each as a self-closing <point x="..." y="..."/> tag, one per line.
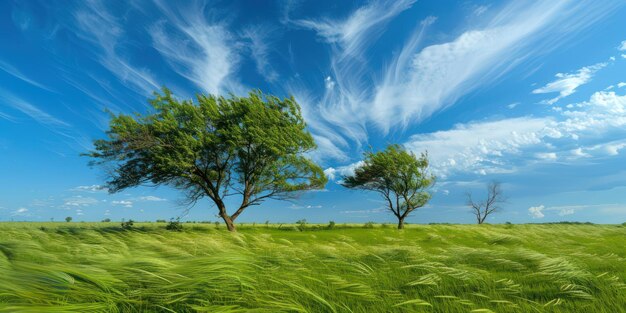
<point x="98" y="267"/>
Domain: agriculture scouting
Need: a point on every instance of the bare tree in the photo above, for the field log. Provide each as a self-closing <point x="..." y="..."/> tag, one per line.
<point x="482" y="209"/>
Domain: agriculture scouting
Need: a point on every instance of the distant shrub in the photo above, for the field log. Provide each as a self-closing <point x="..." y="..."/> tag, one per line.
<point x="508" y="225"/>
<point x="174" y="225"/>
<point x="217" y="224"/>
<point x="624" y="224"/>
<point x="384" y="225"/>
<point x="301" y="224"/>
<point x="571" y="223"/>
<point x="127" y="225"/>
<point x="68" y="219"/>
<point x="368" y="225"/>
<point x="161" y="221"/>
<point x="42" y="228"/>
<point x="267" y="224"/>
<point x="331" y="225"/>
<point x="106" y="220"/>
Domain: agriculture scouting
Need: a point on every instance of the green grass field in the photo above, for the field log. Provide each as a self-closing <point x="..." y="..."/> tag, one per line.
<point x="97" y="267"/>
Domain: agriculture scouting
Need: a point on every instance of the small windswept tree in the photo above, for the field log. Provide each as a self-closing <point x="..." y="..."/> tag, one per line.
<point x="492" y="204"/>
<point x="247" y="147"/>
<point x="399" y="176"/>
<point x="68" y="219"/>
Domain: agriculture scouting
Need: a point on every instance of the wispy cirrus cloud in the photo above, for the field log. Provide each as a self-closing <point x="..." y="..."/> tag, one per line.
<point x="259" y="39"/>
<point x="205" y="52"/>
<point x="32" y="111"/>
<point x="422" y="81"/>
<point x="95" y="24"/>
<point x="567" y="83"/>
<point x="338" y="113"/>
<point x="356" y="31"/>
<point x="8" y="68"/>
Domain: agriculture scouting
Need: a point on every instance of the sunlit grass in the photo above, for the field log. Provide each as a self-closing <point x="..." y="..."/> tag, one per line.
<point x="91" y="267"/>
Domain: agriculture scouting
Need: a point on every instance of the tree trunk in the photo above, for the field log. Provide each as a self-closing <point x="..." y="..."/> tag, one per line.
<point x="401" y="223"/>
<point x="229" y="223"/>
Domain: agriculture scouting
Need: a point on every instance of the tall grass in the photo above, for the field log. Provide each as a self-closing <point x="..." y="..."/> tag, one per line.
<point x="89" y="267"/>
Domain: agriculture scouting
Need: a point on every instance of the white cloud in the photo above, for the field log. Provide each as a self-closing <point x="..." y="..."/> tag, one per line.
<point x="92" y="188"/>
<point x="536" y="211"/>
<point x="479" y="147"/>
<point x="340" y="113"/>
<point x="20" y="211"/>
<point x="480" y="10"/>
<point x="336" y="173"/>
<point x="33" y="112"/>
<point x="490" y="147"/>
<point x="566" y="84"/>
<point x="151" y="198"/>
<point x="79" y="201"/>
<point x="124" y="203"/>
<point x="513" y="105"/>
<point x="419" y="83"/>
<point x="564" y="212"/>
<point x="95" y="24"/>
<point x="18" y="74"/>
<point x="203" y="52"/>
<point x="546" y="156"/>
<point x="260" y="38"/>
<point x="621" y="84"/>
<point x="377" y="210"/>
<point x="622" y="47"/>
<point x="364" y="24"/>
<point x="578" y="152"/>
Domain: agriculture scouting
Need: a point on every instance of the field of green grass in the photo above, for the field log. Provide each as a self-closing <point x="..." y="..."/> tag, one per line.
<point x="98" y="267"/>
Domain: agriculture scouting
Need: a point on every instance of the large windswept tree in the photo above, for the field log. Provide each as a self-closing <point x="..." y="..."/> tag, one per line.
<point x="398" y="175"/>
<point x="251" y="148"/>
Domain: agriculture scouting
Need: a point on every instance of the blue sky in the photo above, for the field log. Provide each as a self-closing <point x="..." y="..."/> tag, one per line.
<point x="533" y="96"/>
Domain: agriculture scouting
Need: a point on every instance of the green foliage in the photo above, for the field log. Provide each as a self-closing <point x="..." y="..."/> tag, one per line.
<point x="174" y="225"/>
<point x="250" y="147"/>
<point x="68" y="219"/>
<point x="398" y="175"/>
<point x="161" y="221"/>
<point x="93" y="267"/>
<point x="369" y="225"/>
<point x="127" y="225"/>
<point x="106" y="220"/>
<point x="301" y="224"/>
<point x="331" y="225"/>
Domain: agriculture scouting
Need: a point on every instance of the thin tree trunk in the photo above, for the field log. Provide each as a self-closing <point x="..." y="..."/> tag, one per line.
<point x="229" y="223"/>
<point x="401" y="223"/>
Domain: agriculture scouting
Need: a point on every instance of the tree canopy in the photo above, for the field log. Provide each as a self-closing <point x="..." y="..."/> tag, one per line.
<point x="398" y="175"/>
<point x="249" y="147"/>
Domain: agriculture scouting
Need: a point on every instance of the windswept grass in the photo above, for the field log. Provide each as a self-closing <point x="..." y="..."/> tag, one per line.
<point x="54" y="267"/>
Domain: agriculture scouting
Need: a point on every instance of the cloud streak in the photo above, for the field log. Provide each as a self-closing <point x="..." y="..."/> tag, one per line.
<point x="203" y="52"/>
<point x="566" y="84"/>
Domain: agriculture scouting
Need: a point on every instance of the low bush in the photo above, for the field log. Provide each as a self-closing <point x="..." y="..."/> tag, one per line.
<point x="174" y="225"/>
